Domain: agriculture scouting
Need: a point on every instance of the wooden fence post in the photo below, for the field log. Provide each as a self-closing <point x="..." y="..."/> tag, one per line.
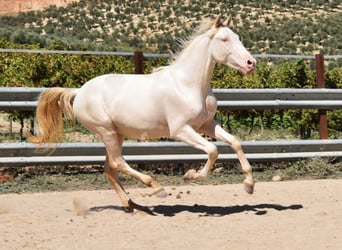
<point x="320" y="80"/>
<point x="139" y="62"/>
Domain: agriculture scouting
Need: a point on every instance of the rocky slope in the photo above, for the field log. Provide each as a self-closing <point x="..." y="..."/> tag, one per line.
<point x="13" y="7"/>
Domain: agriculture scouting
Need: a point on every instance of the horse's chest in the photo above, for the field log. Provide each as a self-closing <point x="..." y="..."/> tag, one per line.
<point x="200" y="113"/>
<point x="205" y="108"/>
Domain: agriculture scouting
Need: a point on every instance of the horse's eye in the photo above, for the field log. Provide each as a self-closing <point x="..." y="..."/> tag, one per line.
<point x="225" y="39"/>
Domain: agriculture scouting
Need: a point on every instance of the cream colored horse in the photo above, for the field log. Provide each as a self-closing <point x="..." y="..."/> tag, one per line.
<point x="176" y="101"/>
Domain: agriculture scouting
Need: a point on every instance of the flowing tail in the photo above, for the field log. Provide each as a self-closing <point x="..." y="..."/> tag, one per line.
<point x="52" y="104"/>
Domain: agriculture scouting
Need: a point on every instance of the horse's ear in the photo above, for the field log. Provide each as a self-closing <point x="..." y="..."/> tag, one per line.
<point x="228" y="22"/>
<point x="218" y="22"/>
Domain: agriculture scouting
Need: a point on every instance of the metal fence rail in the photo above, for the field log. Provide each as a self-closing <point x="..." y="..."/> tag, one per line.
<point x="279" y="98"/>
<point x="157" y="55"/>
<point x="26" y="154"/>
<point x="13" y="98"/>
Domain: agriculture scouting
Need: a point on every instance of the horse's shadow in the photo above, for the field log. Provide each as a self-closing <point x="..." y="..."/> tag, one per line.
<point x="203" y="210"/>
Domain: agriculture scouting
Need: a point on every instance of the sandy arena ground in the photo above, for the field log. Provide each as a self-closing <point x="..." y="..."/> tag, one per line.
<point x="280" y="215"/>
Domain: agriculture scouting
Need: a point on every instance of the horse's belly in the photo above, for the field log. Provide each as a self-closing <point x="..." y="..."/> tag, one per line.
<point x="139" y="119"/>
<point x="142" y="133"/>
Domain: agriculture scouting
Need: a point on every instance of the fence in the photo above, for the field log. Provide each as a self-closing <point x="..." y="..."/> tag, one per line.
<point x="26" y="154"/>
<point x="23" y="154"/>
<point x="139" y="67"/>
<point x="24" y="99"/>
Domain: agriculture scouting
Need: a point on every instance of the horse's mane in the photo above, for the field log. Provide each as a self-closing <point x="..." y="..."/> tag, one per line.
<point x="203" y="27"/>
<point x="184" y="42"/>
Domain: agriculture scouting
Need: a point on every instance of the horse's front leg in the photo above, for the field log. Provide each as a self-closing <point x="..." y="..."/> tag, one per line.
<point x="188" y="135"/>
<point x="215" y="131"/>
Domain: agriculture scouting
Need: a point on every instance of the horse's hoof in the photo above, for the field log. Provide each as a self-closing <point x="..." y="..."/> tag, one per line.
<point x="128" y="209"/>
<point x="190" y="174"/>
<point x="249" y="186"/>
<point x="132" y="205"/>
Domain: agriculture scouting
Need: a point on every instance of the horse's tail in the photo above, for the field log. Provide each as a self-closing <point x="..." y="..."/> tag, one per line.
<point x="52" y="104"/>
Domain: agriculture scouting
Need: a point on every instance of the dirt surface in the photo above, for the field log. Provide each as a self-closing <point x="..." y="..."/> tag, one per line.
<point x="280" y="215"/>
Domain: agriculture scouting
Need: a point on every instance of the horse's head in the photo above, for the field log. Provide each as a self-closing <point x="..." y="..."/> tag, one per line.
<point x="226" y="47"/>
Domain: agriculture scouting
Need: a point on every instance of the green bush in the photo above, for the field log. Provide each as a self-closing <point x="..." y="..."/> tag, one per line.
<point x="51" y="70"/>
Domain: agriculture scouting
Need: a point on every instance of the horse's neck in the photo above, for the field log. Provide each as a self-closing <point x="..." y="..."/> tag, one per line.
<point x="194" y="67"/>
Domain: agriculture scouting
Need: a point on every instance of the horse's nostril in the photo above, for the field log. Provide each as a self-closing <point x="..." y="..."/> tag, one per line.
<point x="250" y="63"/>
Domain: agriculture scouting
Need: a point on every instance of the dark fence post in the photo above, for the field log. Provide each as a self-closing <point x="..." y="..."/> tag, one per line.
<point x="139" y="66"/>
<point x="139" y="62"/>
<point x="320" y="79"/>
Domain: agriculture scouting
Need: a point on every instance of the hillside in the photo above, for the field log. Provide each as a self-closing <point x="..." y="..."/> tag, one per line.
<point x="13" y="7"/>
<point x="266" y="26"/>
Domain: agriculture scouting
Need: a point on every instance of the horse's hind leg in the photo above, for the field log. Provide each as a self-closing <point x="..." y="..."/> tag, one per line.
<point x="129" y="205"/>
<point x="158" y="190"/>
<point x="112" y="175"/>
<point x="115" y="161"/>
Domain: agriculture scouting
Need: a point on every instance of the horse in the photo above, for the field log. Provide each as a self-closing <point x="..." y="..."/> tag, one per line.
<point x="175" y="101"/>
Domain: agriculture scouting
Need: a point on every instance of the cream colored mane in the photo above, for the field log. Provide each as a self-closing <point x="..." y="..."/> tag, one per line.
<point x="203" y="27"/>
